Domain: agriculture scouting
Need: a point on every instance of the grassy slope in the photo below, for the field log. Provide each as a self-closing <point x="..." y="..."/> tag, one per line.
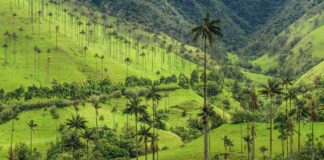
<point x="67" y="64"/>
<point x="266" y="61"/>
<point x="309" y="76"/>
<point x="306" y="30"/>
<point x="46" y="125"/>
<point x="194" y="150"/>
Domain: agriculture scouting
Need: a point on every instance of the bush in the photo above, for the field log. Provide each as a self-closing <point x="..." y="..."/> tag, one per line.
<point x="183" y="81"/>
<point x="116" y="94"/>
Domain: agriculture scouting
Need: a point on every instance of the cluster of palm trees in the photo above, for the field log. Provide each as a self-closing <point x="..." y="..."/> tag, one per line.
<point x="90" y="28"/>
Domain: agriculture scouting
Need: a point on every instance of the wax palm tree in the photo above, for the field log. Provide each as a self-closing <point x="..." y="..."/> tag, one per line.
<point x="207" y="30"/>
<point x="14" y="117"/>
<point x="113" y="112"/>
<point x="85" y="53"/>
<point x="134" y="107"/>
<point x="32" y="125"/>
<point x="50" y="14"/>
<point x="101" y="119"/>
<point x="291" y="96"/>
<point x="280" y="123"/>
<point x="313" y="118"/>
<point x="55" y="115"/>
<point x="153" y="95"/>
<point x="301" y="112"/>
<point x="127" y="61"/>
<point x="160" y="117"/>
<point x="76" y="122"/>
<point x="286" y="80"/>
<point x="74" y="143"/>
<point x="263" y="149"/>
<point x="102" y="58"/>
<point x="97" y="58"/>
<point x="248" y="140"/>
<point x="144" y="134"/>
<point x="88" y="135"/>
<point x="96" y="106"/>
<point x="270" y="90"/>
<point x="144" y="62"/>
<point x="5" y="46"/>
<point x="253" y="106"/>
<point x="57" y="28"/>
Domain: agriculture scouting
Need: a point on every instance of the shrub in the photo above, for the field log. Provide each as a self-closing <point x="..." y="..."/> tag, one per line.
<point x="116" y="94"/>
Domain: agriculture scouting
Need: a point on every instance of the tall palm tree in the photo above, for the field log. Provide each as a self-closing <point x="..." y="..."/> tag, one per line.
<point x="280" y="123"/>
<point x="313" y="118"/>
<point x="96" y="57"/>
<point x="14" y="117"/>
<point x="5" y="46"/>
<point x="88" y="135"/>
<point x="76" y="122"/>
<point x="134" y="107"/>
<point x="55" y="115"/>
<point x="301" y="113"/>
<point x="144" y="134"/>
<point x="270" y="90"/>
<point x="73" y="142"/>
<point x="291" y="96"/>
<point x="207" y="30"/>
<point x="286" y="81"/>
<point x="57" y="28"/>
<point x="263" y="149"/>
<point x="32" y="125"/>
<point x="102" y="58"/>
<point x="96" y="106"/>
<point x="253" y="106"/>
<point x="248" y="140"/>
<point x="153" y="95"/>
<point x="113" y="112"/>
<point x="127" y="61"/>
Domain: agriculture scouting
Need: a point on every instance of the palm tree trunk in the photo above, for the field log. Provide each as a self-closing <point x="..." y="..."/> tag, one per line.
<point x="271" y="110"/>
<point x="298" y="151"/>
<point x="283" y="148"/>
<point x="312" y="145"/>
<point x="145" y="143"/>
<point x="205" y="105"/>
<point x="136" y="135"/>
<point x="153" y="117"/>
<point x="290" y="134"/>
<point x="11" y="140"/>
<point x="253" y="136"/>
<point x="31" y="139"/>
<point x="87" y="146"/>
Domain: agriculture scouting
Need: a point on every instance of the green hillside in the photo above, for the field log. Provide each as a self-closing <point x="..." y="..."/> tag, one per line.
<point x="119" y="79"/>
<point x="70" y="62"/>
<point x="194" y="151"/>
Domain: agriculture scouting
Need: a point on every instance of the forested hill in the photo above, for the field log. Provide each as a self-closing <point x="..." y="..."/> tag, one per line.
<point x="242" y="20"/>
